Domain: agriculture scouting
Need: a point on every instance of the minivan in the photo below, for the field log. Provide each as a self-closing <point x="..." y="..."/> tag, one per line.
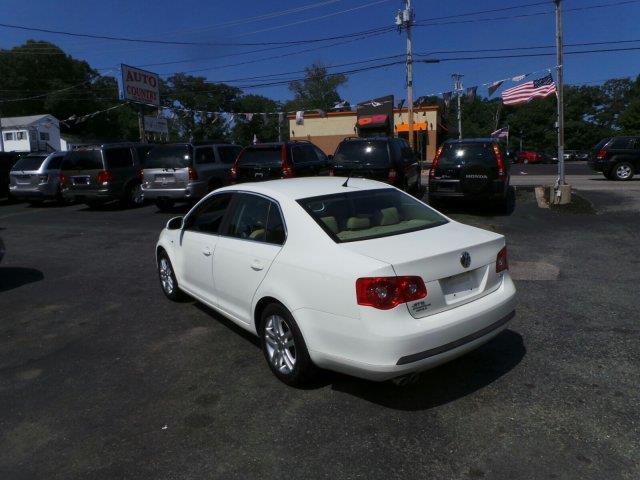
<point x="269" y="161"/>
<point x="36" y="178"/>
<point x="99" y="174"/>
<point x="387" y="159"/>
<point x="184" y="172"/>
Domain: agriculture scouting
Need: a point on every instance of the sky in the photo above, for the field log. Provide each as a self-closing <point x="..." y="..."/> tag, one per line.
<point x="260" y="22"/>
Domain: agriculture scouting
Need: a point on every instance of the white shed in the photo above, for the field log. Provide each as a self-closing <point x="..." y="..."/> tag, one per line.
<point x="33" y="133"/>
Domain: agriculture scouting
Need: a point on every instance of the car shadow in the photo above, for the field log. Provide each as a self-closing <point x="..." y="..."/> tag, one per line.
<point x="228" y="323"/>
<point x="443" y="384"/>
<point x="14" y="277"/>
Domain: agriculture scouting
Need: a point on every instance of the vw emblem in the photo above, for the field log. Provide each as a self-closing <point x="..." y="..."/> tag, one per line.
<point x="465" y="259"/>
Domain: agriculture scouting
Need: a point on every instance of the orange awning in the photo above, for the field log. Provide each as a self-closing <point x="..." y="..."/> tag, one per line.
<point x="404" y="127"/>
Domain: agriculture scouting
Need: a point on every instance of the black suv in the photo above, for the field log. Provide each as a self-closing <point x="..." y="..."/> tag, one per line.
<point x="269" y="161"/>
<point x="470" y="168"/>
<point x="102" y="173"/>
<point x="387" y="159"/>
<point x="618" y="158"/>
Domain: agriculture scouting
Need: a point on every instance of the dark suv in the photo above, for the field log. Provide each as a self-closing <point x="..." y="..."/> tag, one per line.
<point x="102" y="173"/>
<point x="618" y="158"/>
<point x="470" y="168"/>
<point x="269" y="161"/>
<point x="7" y="161"/>
<point x="386" y="159"/>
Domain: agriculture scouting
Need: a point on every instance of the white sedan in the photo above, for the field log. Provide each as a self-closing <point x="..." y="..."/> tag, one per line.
<point x="357" y="277"/>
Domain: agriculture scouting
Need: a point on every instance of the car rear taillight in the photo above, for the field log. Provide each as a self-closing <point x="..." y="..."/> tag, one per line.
<point x="193" y="175"/>
<point x="287" y="172"/>
<point x="141" y="175"/>
<point x="104" y="177"/>
<point x="602" y="154"/>
<point x="385" y="293"/>
<point x="62" y="179"/>
<point x="393" y="175"/>
<point x="332" y="172"/>
<point x="499" y="160"/>
<point x="233" y="174"/>
<point x="501" y="260"/>
<point x="434" y="165"/>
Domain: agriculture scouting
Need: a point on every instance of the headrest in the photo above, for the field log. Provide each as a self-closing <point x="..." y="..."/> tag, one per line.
<point x="331" y="223"/>
<point x="358" y="223"/>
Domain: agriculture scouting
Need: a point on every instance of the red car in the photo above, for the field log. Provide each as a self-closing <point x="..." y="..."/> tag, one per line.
<point x="530" y="157"/>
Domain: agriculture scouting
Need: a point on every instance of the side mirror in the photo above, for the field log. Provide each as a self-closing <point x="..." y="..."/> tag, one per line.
<point x="175" y="223"/>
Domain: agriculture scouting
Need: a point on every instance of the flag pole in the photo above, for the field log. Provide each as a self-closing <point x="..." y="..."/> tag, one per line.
<point x="560" y="93"/>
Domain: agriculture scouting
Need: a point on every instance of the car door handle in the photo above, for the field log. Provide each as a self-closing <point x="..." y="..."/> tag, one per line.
<point x="206" y="252"/>
<point x="257" y="265"/>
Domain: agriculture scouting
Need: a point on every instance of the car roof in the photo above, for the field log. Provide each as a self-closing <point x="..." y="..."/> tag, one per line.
<point x="306" y="187"/>
<point x="470" y="140"/>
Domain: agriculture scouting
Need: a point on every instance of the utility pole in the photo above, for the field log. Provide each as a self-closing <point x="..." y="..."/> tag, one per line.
<point x="404" y="21"/>
<point x="1" y="134"/>
<point x="562" y="190"/>
<point x="457" y="79"/>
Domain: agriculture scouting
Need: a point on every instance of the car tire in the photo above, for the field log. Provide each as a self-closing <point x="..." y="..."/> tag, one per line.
<point x="134" y="196"/>
<point x="164" y="204"/>
<point x="284" y="347"/>
<point x="60" y="200"/>
<point x="168" y="281"/>
<point x="622" y="171"/>
<point x="608" y="175"/>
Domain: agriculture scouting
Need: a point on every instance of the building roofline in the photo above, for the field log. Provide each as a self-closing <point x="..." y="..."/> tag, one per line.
<point x="353" y="113"/>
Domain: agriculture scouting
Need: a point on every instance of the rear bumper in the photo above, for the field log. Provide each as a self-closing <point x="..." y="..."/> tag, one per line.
<point x="412" y="345"/>
<point x="93" y="195"/>
<point x="39" y="192"/>
<point x="599" y="165"/>
<point x="192" y="191"/>
<point x="452" y="189"/>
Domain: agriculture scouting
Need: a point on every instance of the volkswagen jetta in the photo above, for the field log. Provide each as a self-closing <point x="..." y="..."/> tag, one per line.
<point x="354" y="276"/>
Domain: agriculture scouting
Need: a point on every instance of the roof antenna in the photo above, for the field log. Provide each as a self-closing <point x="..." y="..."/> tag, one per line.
<point x="345" y="184"/>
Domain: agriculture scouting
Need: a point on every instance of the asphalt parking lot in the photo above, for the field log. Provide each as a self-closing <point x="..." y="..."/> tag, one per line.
<point x="102" y="377"/>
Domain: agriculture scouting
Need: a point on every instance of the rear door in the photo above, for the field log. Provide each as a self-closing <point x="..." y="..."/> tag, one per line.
<point x="260" y="162"/>
<point x="363" y="158"/>
<point x="198" y="243"/>
<point x="253" y="237"/>
<point x="25" y="174"/>
<point x="120" y="162"/>
<point x="305" y="160"/>
<point x="81" y="168"/>
<point x="473" y="165"/>
<point x="167" y="167"/>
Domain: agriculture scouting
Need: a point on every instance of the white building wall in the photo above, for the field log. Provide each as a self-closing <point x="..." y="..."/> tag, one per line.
<point x="16" y="145"/>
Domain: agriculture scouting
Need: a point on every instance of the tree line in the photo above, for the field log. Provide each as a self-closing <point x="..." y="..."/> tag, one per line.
<point x="29" y="71"/>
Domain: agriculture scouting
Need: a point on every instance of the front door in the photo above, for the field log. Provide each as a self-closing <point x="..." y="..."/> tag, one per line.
<point x="198" y="243"/>
<point x="252" y="239"/>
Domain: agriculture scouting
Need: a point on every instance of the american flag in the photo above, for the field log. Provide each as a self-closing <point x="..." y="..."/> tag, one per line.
<point x="540" y="88"/>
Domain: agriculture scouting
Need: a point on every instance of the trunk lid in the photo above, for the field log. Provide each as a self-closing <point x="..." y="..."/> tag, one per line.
<point x="359" y="170"/>
<point x="167" y="166"/>
<point x="435" y="256"/>
<point x="81" y="168"/>
<point x="166" y="178"/>
<point x="474" y="164"/>
<point x="259" y="163"/>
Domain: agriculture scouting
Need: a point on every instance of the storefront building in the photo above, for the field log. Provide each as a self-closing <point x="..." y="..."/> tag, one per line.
<point x="328" y="131"/>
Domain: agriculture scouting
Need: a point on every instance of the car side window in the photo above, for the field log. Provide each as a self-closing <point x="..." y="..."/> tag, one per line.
<point x="208" y="217"/>
<point x="118" y="157"/>
<point x="249" y="217"/>
<point x="275" y="225"/>
<point x="622" y="144"/>
<point x="205" y="155"/>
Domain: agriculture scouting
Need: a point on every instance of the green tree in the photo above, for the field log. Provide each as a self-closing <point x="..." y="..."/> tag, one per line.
<point x="265" y="128"/>
<point x="318" y="90"/>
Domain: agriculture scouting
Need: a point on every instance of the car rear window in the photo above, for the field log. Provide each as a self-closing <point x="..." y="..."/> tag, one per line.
<point x="83" y="160"/>
<point x="367" y="153"/>
<point x="29" y="163"/>
<point x="228" y="154"/>
<point x="364" y="215"/>
<point x="169" y="156"/>
<point x="467" y="154"/>
<point x="261" y="156"/>
<point x="601" y="143"/>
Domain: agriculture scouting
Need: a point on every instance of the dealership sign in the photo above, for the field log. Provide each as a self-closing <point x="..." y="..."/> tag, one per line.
<point x="156" y="125"/>
<point x="140" y="86"/>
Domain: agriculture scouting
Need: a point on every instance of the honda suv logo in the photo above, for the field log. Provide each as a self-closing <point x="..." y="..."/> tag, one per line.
<point x="465" y="259"/>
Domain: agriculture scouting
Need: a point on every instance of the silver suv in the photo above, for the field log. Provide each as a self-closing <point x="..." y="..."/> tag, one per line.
<point x="184" y="172"/>
<point x="36" y="178"/>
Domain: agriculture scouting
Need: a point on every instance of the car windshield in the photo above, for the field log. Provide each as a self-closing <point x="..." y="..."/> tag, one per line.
<point x="270" y="155"/>
<point x="169" y="156"/>
<point x="364" y="215"/>
<point x="29" y="162"/>
<point x="372" y="152"/>
<point x="83" y="160"/>
<point x="467" y="154"/>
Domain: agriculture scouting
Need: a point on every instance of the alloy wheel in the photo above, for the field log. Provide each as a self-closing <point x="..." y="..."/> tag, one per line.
<point x="623" y="171"/>
<point x="281" y="348"/>
<point x="166" y="276"/>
